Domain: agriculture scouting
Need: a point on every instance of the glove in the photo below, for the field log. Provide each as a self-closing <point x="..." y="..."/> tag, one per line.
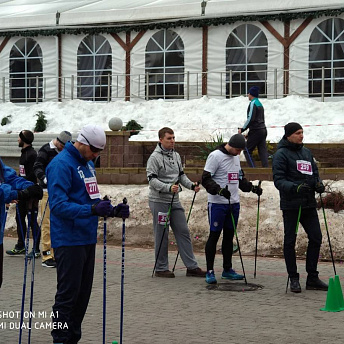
<point x="257" y="189"/>
<point x="319" y="187"/>
<point x="121" y="210"/>
<point x="102" y="208"/>
<point x="32" y="192"/>
<point x="303" y="188"/>
<point x="225" y="193"/>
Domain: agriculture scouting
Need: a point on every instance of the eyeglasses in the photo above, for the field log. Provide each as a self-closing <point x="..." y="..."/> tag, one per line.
<point x="92" y="148"/>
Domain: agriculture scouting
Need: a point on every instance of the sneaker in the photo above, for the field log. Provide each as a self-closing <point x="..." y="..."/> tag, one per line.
<point x="49" y="263"/>
<point x="314" y="283"/>
<point x="210" y="277"/>
<point x="235" y="248"/>
<point x="198" y="272"/>
<point x="166" y="274"/>
<point x="295" y="285"/>
<point x="231" y="275"/>
<point x="16" y="251"/>
<point x="37" y="254"/>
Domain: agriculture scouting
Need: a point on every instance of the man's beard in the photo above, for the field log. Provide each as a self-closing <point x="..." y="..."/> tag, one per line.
<point x="21" y="144"/>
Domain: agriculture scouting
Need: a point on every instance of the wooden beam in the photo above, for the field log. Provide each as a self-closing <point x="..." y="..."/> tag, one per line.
<point x="127" y="66"/>
<point x="4" y="43"/>
<point x="205" y="60"/>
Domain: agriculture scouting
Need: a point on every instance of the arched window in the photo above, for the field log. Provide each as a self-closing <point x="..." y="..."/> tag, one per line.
<point x="26" y="72"/>
<point x="247" y="59"/>
<point x="165" y="65"/>
<point x="94" y="69"/>
<point x="326" y="49"/>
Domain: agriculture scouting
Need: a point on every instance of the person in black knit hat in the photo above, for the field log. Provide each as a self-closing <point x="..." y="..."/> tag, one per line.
<point x="222" y="178"/>
<point x="296" y="176"/>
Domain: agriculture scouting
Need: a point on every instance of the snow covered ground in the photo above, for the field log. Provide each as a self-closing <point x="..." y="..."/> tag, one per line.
<point x="197" y="120"/>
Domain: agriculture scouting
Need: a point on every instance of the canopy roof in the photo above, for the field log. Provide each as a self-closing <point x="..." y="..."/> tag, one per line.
<point x="36" y="14"/>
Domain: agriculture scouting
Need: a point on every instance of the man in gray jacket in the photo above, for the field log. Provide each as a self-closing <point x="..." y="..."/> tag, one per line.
<point x="165" y="175"/>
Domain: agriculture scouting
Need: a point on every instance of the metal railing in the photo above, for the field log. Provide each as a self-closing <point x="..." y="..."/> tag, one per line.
<point x="317" y="82"/>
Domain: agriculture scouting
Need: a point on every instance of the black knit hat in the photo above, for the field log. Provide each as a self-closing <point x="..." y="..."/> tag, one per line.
<point x="254" y="91"/>
<point x="291" y="128"/>
<point x="237" y="141"/>
<point x="27" y="136"/>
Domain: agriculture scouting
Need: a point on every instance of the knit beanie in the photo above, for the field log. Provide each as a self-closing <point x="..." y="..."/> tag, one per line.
<point x="92" y="135"/>
<point x="254" y="91"/>
<point x="237" y="141"/>
<point x="291" y="128"/>
<point x="27" y="136"/>
<point x="64" y="137"/>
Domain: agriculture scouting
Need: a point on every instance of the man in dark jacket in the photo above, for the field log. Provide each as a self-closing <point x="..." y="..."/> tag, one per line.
<point x="257" y="133"/>
<point x="296" y="177"/>
<point x="26" y="161"/>
<point x="47" y="153"/>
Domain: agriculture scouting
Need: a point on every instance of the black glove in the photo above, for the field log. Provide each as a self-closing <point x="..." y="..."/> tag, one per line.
<point x="257" y="189"/>
<point x="121" y="210"/>
<point x="225" y="193"/>
<point x="303" y="188"/>
<point x="32" y="192"/>
<point x="102" y="208"/>
<point x="319" y="187"/>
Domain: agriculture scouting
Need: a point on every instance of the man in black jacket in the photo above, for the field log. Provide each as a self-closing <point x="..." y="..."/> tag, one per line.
<point x="46" y="153"/>
<point x="26" y="161"/>
<point x="296" y="177"/>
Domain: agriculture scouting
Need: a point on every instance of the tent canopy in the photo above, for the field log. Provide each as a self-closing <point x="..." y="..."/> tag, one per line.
<point x="35" y="14"/>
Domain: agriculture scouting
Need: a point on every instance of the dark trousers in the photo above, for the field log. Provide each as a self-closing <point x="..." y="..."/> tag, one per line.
<point x="221" y="214"/>
<point x="75" y="268"/>
<point x="22" y="228"/>
<point x="257" y="138"/>
<point x="310" y="222"/>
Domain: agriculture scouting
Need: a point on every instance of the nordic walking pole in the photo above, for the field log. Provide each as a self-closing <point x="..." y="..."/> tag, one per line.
<point x="164" y="230"/>
<point x="328" y="235"/>
<point x="249" y="157"/>
<point x="125" y="201"/>
<point x="255" y="255"/>
<point x="187" y="221"/>
<point x="236" y="237"/>
<point x="25" y="269"/>
<point x="296" y="231"/>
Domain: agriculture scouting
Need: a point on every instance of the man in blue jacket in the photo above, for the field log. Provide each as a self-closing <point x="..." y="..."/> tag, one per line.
<point x="296" y="177"/>
<point x="75" y="205"/>
<point x="13" y="188"/>
<point x="257" y="130"/>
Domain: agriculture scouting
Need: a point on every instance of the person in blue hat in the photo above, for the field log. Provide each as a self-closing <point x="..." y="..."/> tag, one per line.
<point x="257" y="130"/>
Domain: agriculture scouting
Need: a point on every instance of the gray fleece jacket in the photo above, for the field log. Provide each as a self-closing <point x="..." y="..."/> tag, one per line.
<point x="164" y="168"/>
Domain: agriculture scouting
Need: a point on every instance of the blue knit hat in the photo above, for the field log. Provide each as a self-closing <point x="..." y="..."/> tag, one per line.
<point x="254" y="91"/>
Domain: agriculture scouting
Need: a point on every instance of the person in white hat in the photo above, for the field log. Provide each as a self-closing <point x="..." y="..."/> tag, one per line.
<point x="75" y="205"/>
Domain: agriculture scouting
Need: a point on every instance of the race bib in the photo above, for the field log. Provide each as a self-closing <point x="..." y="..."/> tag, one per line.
<point x="22" y="171"/>
<point x="233" y="177"/>
<point x="304" y="167"/>
<point x="162" y="217"/>
<point x="92" y="187"/>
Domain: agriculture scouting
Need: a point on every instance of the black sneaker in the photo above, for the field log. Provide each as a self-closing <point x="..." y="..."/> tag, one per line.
<point x="197" y="272"/>
<point x="314" y="283"/>
<point x="16" y="251"/>
<point x="165" y="274"/>
<point x="295" y="285"/>
<point x="49" y="263"/>
<point x="37" y="254"/>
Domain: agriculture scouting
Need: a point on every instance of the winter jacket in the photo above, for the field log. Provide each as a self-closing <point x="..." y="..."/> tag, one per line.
<point x="26" y="162"/>
<point x="164" y="168"/>
<point x="71" y="219"/>
<point x="292" y="165"/>
<point x="219" y="167"/>
<point x="255" y="116"/>
<point x="45" y="154"/>
<point x="9" y="184"/>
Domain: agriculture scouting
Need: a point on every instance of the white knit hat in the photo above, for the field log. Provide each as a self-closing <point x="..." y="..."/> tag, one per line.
<point x="92" y="135"/>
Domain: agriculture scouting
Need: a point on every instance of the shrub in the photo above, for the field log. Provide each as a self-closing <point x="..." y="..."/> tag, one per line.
<point x="211" y="145"/>
<point x="333" y="200"/>
<point x="133" y="127"/>
<point x="41" y="123"/>
<point x="5" y="120"/>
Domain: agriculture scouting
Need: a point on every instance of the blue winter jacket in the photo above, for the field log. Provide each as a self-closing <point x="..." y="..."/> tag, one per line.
<point x="71" y="220"/>
<point x="9" y="184"/>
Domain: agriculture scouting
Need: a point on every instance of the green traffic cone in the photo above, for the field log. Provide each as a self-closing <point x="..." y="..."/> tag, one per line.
<point x="332" y="304"/>
<point x="339" y="292"/>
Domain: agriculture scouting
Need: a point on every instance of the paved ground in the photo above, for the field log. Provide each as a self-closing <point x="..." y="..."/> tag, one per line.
<point x="180" y="310"/>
